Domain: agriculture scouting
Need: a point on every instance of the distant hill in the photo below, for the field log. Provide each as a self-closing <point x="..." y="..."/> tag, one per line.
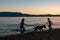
<point x="12" y="14"/>
<point x="19" y="14"/>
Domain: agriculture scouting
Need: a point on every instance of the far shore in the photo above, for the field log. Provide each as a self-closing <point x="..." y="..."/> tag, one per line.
<point x="34" y="16"/>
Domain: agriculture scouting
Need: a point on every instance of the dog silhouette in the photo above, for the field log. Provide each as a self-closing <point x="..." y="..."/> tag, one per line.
<point x="39" y="27"/>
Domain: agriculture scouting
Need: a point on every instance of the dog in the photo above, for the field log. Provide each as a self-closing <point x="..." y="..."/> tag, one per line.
<point x="39" y="27"/>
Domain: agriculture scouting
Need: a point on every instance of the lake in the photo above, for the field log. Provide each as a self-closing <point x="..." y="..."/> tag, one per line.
<point x="9" y="24"/>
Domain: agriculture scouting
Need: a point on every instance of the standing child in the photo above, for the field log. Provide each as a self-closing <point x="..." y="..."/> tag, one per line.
<point x="49" y="24"/>
<point x="22" y="29"/>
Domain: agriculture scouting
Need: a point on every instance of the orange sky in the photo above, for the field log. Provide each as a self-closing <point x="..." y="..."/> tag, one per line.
<point x="35" y="7"/>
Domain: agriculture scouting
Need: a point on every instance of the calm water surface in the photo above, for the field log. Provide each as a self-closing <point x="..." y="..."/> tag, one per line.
<point x="8" y="24"/>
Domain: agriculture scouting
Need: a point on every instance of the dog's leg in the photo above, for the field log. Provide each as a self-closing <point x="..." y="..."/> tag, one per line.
<point x="39" y="29"/>
<point x="35" y="29"/>
<point x="42" y="29"/>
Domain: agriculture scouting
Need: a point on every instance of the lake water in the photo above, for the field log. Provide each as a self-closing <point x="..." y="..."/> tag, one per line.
<point x="8" y="25"/>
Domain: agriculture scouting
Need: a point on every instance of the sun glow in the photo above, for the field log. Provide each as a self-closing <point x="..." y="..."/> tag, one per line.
<point x="45" y="11"/>
<point x="34" y="10"/>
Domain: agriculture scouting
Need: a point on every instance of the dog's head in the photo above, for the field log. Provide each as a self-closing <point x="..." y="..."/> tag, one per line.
<point x="44" y="26"/>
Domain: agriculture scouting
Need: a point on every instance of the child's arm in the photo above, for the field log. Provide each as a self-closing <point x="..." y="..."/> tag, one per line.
<point x="47" y="22"/>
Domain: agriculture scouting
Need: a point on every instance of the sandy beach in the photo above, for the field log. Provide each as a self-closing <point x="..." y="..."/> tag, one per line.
<point x="43" y="35"/>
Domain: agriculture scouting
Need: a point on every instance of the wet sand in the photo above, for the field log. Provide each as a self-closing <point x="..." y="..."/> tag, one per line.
<point x="43" y="35"/>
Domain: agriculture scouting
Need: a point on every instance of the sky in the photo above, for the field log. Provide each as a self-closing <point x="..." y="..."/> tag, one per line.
<point x="35" y="7"/>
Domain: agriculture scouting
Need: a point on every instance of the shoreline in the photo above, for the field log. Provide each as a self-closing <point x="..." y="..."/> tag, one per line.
<point x="43" y="35"/>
